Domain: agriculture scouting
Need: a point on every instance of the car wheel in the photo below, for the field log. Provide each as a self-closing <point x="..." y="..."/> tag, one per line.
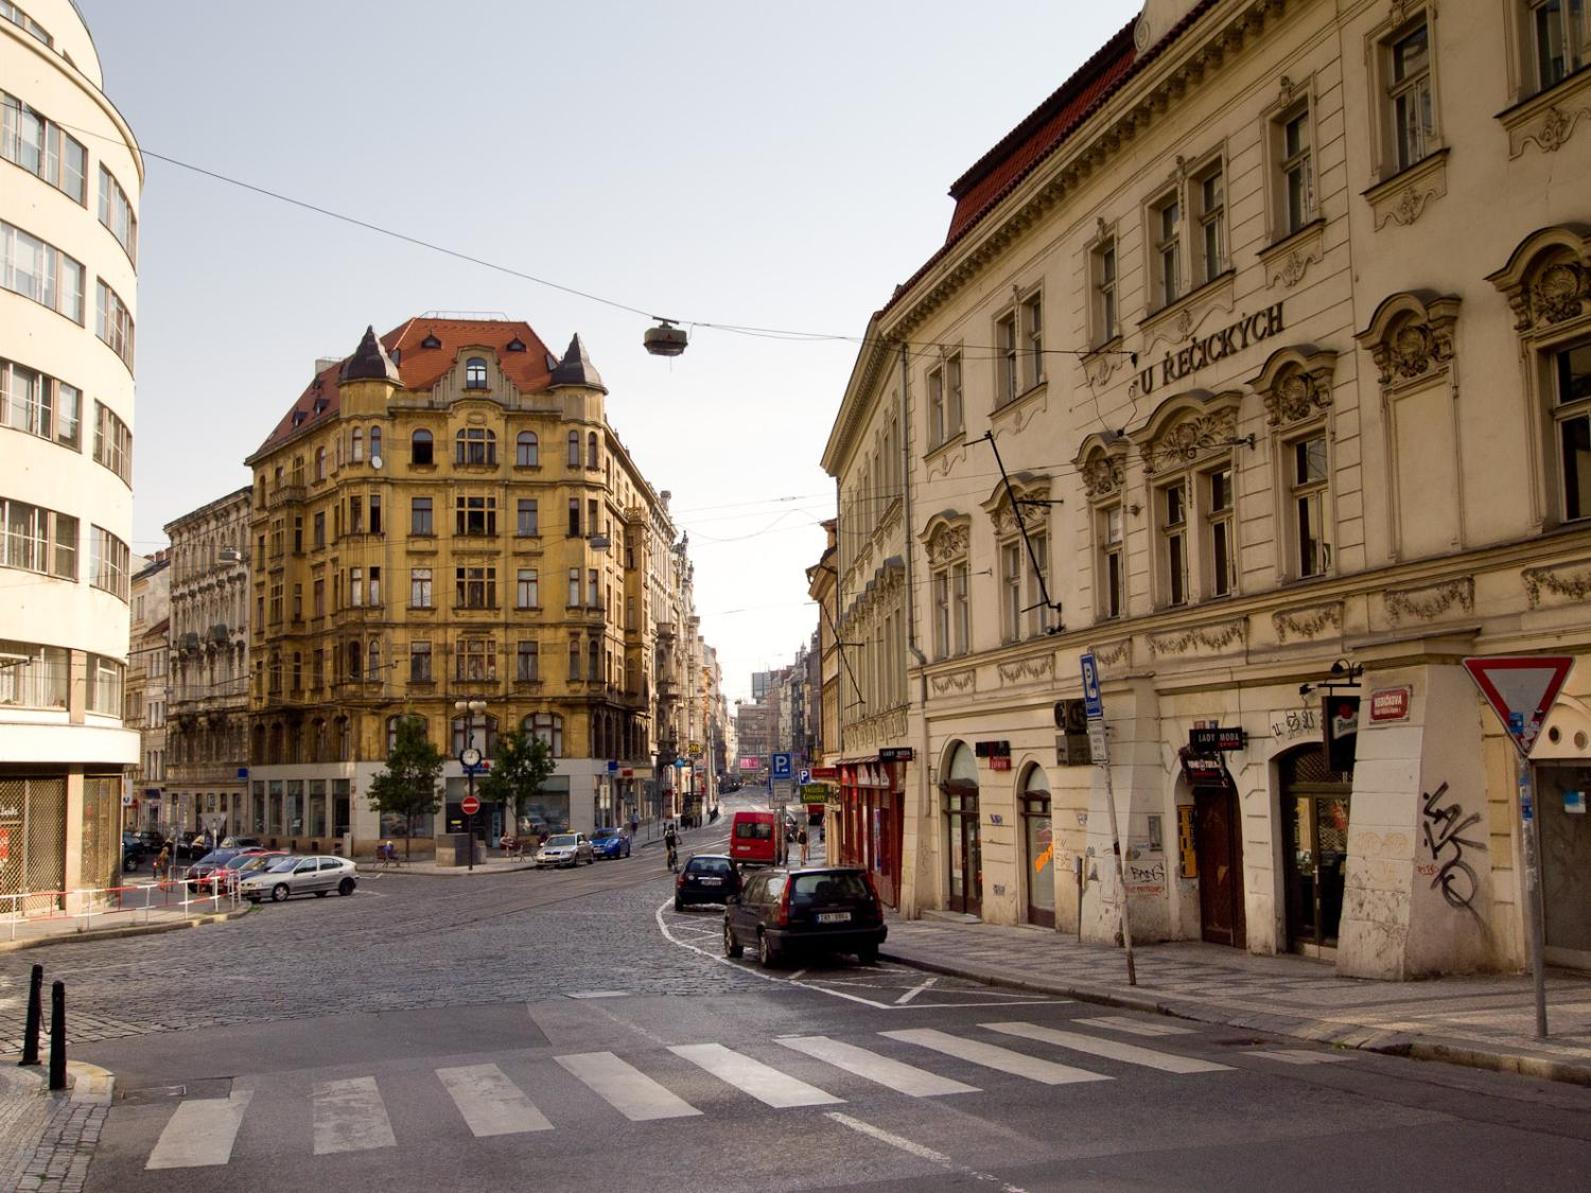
<point x="679" y="904"/>
<point x="767" y="955"/>
<point x="868" y="954"/>
<point x="732" y="947"/>
<point x="279" y="892"/>
<point x="345" y="887"/>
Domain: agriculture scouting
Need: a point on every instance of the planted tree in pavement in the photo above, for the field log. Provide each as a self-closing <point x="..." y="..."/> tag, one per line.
<point x="408" y="787"/>
<point x="522" y="764"/>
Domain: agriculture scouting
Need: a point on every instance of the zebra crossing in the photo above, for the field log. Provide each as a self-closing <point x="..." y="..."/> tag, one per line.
<point x="349" y="1114"/>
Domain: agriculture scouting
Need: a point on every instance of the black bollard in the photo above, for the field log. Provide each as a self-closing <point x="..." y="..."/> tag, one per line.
<point x="57" y="1035"/>
<point x="30" y="1033"/>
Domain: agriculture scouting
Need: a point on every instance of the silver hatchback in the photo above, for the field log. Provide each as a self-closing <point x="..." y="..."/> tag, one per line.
<point x="301" y="876"/>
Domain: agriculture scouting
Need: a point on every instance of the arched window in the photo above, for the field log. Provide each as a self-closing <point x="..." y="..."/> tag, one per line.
<point x="574" y="449"/>
<point x="420" y="448"/>
<point x="356" y="446"/>
<point x="356" y="656"/>
<point x="591" y="449"/>
<point x="345" y="740"/>
<point x="475" y="445"/>
<point x="475" y="373"/>
<point x="320" y="463"/>
<point x="527" y="452"/>
<point x="1039" y="844"/>
<point x="375" y="443"/>
<point x="484" y="732"/>
<point x="546" y="727"/>
<point x="259" y="496"/>
<point x="374" y="670"/>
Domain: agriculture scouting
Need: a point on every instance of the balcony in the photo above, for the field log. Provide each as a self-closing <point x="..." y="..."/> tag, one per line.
<point x="291" y="494"/>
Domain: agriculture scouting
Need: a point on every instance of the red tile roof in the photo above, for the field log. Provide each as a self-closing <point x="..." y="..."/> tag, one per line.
<point x="420" y="367"/>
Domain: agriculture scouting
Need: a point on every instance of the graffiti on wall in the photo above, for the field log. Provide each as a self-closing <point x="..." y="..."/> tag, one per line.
<point x="1444" y="826"/>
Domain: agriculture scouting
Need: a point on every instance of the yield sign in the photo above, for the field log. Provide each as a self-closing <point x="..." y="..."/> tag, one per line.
<point x="1521" y="688"/>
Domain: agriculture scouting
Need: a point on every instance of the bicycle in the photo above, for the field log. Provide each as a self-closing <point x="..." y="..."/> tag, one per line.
<point x="673" y="859"/>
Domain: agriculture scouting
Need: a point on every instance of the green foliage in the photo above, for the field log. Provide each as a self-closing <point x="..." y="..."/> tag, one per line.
<point x="408" y="787"/>
<point x="522" y="764"/>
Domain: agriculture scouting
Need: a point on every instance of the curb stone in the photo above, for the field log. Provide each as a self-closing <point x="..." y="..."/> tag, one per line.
<point x="1354" y="1036"/>
<point x="221" y="917"/>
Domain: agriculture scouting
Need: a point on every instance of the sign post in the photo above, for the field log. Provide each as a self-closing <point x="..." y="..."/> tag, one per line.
<point x="1521" y="690"/>
<point x="470" y="760"/>
<point x="1099" y="747"/>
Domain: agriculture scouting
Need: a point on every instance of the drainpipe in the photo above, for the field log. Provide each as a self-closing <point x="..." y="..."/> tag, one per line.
<point x="923" y="791"/>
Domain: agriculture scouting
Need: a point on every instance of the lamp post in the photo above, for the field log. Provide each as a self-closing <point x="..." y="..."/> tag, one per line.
<point x="470" y="760"/>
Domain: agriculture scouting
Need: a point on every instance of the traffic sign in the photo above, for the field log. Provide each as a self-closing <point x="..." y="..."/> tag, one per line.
<point x="1092" y="704"/>
<point x="1521" y="690"/>
<point x="806" y="777"/>
<point x="469" y="805"/>
<point x="783" y="766"/>
<point x="1098" y="743"/>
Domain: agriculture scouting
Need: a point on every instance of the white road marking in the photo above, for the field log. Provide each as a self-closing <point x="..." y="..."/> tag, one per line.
<point x="1299" y="1056"/>
<point x="1131" y="1054"/>
<point x="628" y="1090"/>
<point x="350" y="1117"/>
<point x="768" y="1085"/>
<point x="1135" y="1027"/>
<point x="599" y="994"/>
<point x="991" y="1056"/>
<point x="893" y="1074"/>
<point x="921" y="1151"/>
<point x="201" y="1132"/>
<point x="914" y="991"/>
<point x="490" y="1103"/>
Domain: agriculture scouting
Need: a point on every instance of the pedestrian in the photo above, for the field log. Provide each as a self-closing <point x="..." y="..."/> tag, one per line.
<point x="163" y="860"/>
<point x="801" y="840"/>
<point x="635" y="824"/>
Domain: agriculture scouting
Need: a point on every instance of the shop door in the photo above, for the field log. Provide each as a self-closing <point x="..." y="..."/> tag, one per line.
<point x="1566" y="862"/>
<point x="1218" y="851"/>
<point x="1315" y="849"/>
<point x="1038" y="836"/>
<point x="965" y="854"/>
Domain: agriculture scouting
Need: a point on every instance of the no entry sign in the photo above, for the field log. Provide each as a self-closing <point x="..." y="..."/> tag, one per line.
<point x="470" y="805"/>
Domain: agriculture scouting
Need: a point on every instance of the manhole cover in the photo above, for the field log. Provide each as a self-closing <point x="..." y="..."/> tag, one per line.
<point x="152" y="1093"/>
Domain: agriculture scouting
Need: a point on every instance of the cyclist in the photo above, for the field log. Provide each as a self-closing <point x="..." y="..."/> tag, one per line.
<point x="671" y="843"/>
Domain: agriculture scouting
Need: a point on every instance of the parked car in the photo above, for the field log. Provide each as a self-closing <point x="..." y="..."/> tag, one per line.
<point x="192" y="845"/>
<point x="754" y="837"/>
<point x="706" y="878"/>
<point x="564" y="849"/>
<point x="609" y="843"/>
<point x="152" y="840"/>
<point x="291" y="875"/>
<point x="779" y="912"/>
<point x="247" y="861"/>
<point x="242" y="843"/>
<point x="134" y="851"/>
<point x="195" y="874"/>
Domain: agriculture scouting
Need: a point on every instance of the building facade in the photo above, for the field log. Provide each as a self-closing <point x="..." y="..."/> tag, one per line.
<point x="70" y="179"/>
<point x="207" y="741"/>
<point x="1254" y="363"/>
<point x="447" y="515"/>
<point x="146" y="700"/>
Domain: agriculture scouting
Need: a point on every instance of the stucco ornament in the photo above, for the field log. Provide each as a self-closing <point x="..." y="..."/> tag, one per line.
<point x="1427" y="601"/>
<point x="1103" y="475"/>
<point x="1190" y="439"/>
<point x="1571" y="580"/>
<point x="1214" y="637"/>
<point x="1558" y="293"/>
<point x="1307" y="621"/>
<point x="1295" y="395"/>
<point x="954" y="681"/>
<point x="948" y="544"/>
<point x="1040" y="667"/>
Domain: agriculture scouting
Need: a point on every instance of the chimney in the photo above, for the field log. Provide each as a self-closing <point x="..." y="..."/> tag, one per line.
<point x="322" y="363"/>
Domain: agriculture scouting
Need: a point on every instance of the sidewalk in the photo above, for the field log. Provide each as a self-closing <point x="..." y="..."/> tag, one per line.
<point x="28" y="933"/>
<point x="47" y="1140"/>
<point x="1487" y="1021"/>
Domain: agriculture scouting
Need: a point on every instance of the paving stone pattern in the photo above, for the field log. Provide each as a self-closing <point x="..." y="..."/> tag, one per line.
<point x="59" y="1162"/>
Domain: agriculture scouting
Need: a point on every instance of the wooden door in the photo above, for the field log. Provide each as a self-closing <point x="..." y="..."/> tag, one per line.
<point x="1218" y="847"/>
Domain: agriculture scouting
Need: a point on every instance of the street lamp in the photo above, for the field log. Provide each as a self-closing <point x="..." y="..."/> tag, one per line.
<point x="470" y="760"/>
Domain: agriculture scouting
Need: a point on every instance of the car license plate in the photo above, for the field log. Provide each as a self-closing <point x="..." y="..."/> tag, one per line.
<point x="834" y="917"/>
<point x="711" y="881"/>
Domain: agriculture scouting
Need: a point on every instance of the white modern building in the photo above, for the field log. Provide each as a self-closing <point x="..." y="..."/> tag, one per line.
<point x="70" y="177"/>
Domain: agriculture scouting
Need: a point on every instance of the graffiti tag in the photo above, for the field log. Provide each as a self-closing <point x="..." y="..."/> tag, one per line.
<point x="1444" y="828"/>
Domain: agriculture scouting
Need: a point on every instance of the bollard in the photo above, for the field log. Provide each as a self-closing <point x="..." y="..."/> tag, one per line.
<point x="30" y="1033"/>
<point x="57" y="1035"/>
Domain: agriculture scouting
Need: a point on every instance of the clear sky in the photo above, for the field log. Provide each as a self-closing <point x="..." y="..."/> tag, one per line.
<point x="777" y="166"/>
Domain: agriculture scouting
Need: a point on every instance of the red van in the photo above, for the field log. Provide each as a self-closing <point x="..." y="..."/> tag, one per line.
<point x="754" y="838"/>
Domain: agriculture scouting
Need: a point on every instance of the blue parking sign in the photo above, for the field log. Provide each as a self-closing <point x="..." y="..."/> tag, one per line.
<point x="1092" y="704"/>
<point x="783" y="766"/>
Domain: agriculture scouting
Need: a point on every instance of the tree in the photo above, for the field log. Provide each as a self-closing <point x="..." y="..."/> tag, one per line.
<point x="408" y="787"/>
<point x="523" y="763"/>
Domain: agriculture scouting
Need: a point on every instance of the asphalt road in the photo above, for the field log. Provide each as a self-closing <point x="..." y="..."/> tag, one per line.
<point x="570" y="1031"/>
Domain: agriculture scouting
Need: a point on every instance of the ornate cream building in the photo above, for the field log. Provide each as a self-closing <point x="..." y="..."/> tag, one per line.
<point x="1278" y="313"/>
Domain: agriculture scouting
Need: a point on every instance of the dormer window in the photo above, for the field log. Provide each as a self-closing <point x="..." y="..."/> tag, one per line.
<point x="320" y="406"/>
<point x="298" y="417"/>
<point x="516" y="345"/>
<point x="475" y="373"/>
<point x="430" y="342"/>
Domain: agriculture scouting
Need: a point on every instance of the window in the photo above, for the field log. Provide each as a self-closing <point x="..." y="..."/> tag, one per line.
<point x="1173" y="503"/>
<point x="318" y="530"/>
<point x="591" y="517"/>
<point x="475" y="445"/>
<point x="936" y="407"/>
<point x="420" y="523"/>
<point x="113" y="323"/>
<point x="34" y="676"/>
<point x="320" y="464"/>
<point x="1011" y="591"/>
<point x="1033" y="335"/>
<point x="594" y="660"/>
<point x="1295" y="170"/>
<point x="373" y="671"/>
<point x="375" y="587"/>
<point x="40" y="271"/>
<point x="1165" y="219"/>
<point x="1005" y="360"/>
<point x="1209" y="194"/>
<point x="419" y="662"/>
<point x="476" y="660"/>
<point x="1103" y="268"/>
<point x="356" y="587"/>
<point x="1409" y="96"/>
<point x="1113" y="578"/>
<point x="375" y="444"/>
<point x="475" y="516"/>
<point x="526" y="522"/>
<point x="527" y="665"/>
<point x="318" y="678"/>
<point x="574" y="449"/>
<point x="105" y="685"/>
<point x="108" y="558"/>
<point x="574" y="517"/>
<point x="1557" y="38"/>
<point x="38" y="404"/>
<point x="574" y="658"/>
<point x="1038" y="569"/>
<point x="1571" y="384"/>
<point x="527" y="451"/>
<point x="318" y="598"/>
<point x="593" y="590"/>
<point x="41" y="148"/>
<point x="116" y="212"/>
<point x="527" y="594"/>
<point x="356" y="446"/>
<point x="1311" y="521"/>
<point x="1219" y="547"/>
<point x="574" y="588"/>
<point x="356" y="515"/>
<point x="592" y="458"/>
<point x="960" y="609"/>
<point x="22" y="20"/>
<point x="420" y="588"/>
<point x="298" y="602"/>
<point x="547" y="728"/>
<point x="941" y="602"/>
<point x="475" y="373"/>
<point x="476" y="587"/>
<point x="421" y="448"/>
<point x="36" y="539"/>
<point x="375" y="513"/>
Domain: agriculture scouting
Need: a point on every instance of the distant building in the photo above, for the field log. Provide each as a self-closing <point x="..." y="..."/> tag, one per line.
<point x="146" y="699"/>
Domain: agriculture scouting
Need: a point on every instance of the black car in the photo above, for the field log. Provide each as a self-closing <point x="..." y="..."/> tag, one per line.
<point x="133" y="851"/>
<point x="706" y="878"/>
<point x="779" y="912"/>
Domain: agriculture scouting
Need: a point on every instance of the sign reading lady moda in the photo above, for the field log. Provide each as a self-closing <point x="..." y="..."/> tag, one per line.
<point x="1206" y="350"/>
